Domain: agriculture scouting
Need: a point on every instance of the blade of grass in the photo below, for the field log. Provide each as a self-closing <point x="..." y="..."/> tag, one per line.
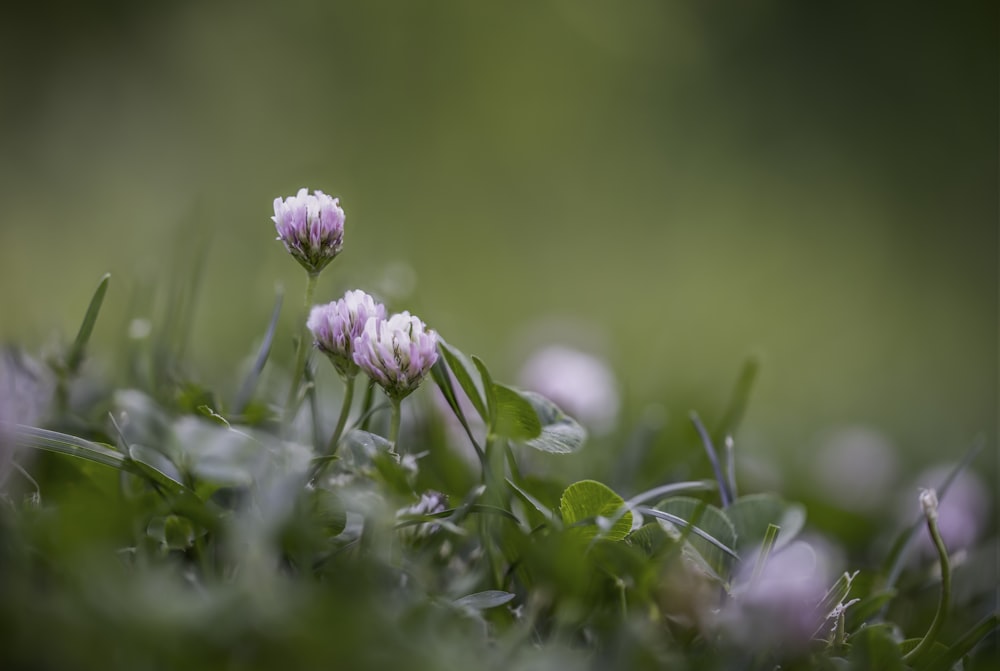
<point x="62" y="443"/>
<point x="77" y="350"/>
<point x="713" y="458"/>
<point x="454" y="361"/>
<point x="770" y="538"/>
<point x="250" y="381"/>
<point x="674" y="519"/>
<point x="739" y="400"/>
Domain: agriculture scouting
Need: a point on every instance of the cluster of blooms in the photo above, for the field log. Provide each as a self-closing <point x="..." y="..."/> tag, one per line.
<point x="397" y="352"/>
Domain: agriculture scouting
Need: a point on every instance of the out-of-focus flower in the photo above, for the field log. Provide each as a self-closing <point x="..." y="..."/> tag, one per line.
<point x="430" y="502"/>
<point x="397" y="352"/>
<point x="581" y="384"/>
<point x="311" y="226"/>
<point x="336" y="325"/>
<point x="26" y="388"/>
<point x="778" y="608"/>
<point x="855" y="467"/>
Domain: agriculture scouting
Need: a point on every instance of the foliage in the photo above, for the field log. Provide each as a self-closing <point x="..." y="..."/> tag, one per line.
<point x="156" y="524"/>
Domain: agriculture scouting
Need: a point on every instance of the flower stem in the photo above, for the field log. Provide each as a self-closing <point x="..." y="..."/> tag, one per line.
<point x="291" y="404"/>
<point x="345" y="410"/>
<point x="930" y="513"/>
<point x="394" y="423"/>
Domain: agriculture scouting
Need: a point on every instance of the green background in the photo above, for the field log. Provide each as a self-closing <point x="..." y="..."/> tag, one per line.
<point x="687" y="183"/>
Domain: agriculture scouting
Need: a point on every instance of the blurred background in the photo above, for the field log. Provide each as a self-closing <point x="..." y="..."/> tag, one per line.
<point x="669" y="186"/>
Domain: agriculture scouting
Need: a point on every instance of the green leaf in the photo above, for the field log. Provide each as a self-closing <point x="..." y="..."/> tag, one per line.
<point x="172" y="532"/>
<point x="76" y="352"/>
<point x="329" y="511"/>
<point x="942" y="660"/>
<point x="488" y="391"/>
<point x="516" y="417"/>
<point x="712" y="534"/>
<point x="875" y="648"/>
<point x="535" y="503"/>
<point x="561" y="434"/>
<point x="156" y="466"/>
<point x="868" y="607"/>
<point x="53" y="441"/>
<point x="482" y="600"/>
<point x="592" y="505"/>
<point x="459" y="367"/>
<point x="751" y="515"/>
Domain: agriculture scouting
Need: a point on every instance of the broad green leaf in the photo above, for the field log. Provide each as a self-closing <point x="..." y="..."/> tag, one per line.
<point x="942" y="660"/>
<point x="752" y="514"/>
<point x="868" y="607"/>
<point x="329" y="511"/>
<point x="535" y="503"/>
<point x="516" y="417"/>
<point x="483" y="600"/>
<point x="461" y="369"/>
<point x="875" y="648"/>
<point x="561" y="434"/>
<point x="172" y="532"/>
<point x="592" y="505"/>
<point x="156" y="466"/>
<point x="76" y="352"/>
<point x="712" y="534"/>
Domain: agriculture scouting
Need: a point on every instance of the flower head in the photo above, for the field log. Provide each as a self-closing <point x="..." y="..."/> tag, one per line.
<point x="335" y="326"/>
<point x="311" y="228"/>
<point x="397" y="352"/>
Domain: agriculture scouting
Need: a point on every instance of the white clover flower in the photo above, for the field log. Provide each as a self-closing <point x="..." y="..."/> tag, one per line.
<point x="336" y="325"/>
<point x="311" y="227"/>
<point x="397" y="352"/>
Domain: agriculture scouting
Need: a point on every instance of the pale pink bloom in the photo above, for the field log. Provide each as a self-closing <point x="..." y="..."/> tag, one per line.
<point x="397" y="352"/>
<point x="311" y="226"/>
<point x="336" y="325"/>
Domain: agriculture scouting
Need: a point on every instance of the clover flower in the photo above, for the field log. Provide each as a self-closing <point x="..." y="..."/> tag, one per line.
<point x="397" y="352"/>
<point x="336" y="325"/>
<point x="311" y="227"/>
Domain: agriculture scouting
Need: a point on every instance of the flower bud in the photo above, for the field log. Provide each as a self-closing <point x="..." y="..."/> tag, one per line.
<point x="929" y="503"/>
<point x="335" y="326"/>
<point x="397" y="352"/>
<point x="311" y="227"/>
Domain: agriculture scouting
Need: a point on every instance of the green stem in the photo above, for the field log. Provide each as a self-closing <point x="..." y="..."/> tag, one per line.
<point x="345" y="410"/>
<point x="291" y="404"/>
<point x="394" y="423"/>
<point x="942" y="610"/>
<point x="366" y="405"/>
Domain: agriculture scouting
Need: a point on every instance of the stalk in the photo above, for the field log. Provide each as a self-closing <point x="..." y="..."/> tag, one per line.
<point x="345" y="410"/>
<point x="928" y="500"/>
<point x="291" y="404"/>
